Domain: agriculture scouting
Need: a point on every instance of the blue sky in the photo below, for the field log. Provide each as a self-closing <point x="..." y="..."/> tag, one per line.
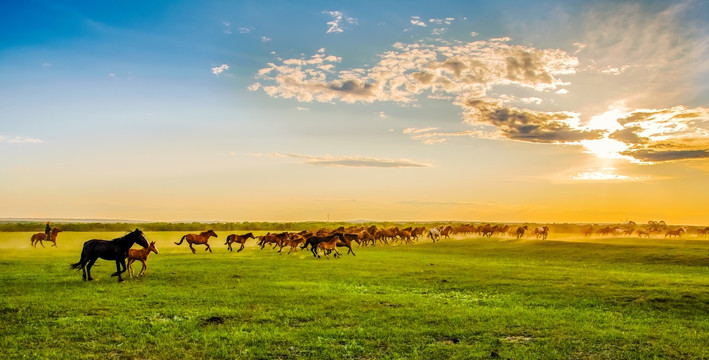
<point x="460" y="110"/>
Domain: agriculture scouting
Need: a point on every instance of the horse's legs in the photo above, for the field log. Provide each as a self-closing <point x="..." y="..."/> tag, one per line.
<point x="191" y="248"/>
<point x="88" y="268"/>
<point x="129" y="266"/>
<point x="241" y="248"/>
<point x="145" y="267"/>
<point x="83" y="267"/>
<point x="208" y="248"/>
<point x="118" y="272"/>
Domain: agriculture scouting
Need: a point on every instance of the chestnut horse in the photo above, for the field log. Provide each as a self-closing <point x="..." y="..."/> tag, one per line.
<point x="200" y="239"/>
<point x="293" y="241"/>
<point x="329" y="246"/>
<point x="39" y="237"/>
<point x="676" y="232"/>
<point x="142" y="255"/>
<point x="239" y="239"/>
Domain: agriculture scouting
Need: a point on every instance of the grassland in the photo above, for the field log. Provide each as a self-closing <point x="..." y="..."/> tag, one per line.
<point x="564" y="298"/>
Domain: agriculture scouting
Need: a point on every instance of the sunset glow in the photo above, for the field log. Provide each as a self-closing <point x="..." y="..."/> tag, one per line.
<point x="471" y="111"/>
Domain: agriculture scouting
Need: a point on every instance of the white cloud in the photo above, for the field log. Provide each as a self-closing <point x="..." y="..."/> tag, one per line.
<point x="265" y="39"/>
<point x="220" y="69"/>
<point x="430" y="136"/>
<point x="458" y="70"/>
<point x="447" y="21"/>
<point x="301" y="108"/>
<point x="605" y="174"/>
<point x="339" y="21"/>
<point x="245" y="29"/>
<point x="19" y="140"/>
<point x="348" y="161"/>
<point x="416" y="20"/>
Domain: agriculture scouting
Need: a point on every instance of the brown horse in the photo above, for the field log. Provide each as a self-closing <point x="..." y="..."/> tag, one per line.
<point x="520" y="231"/>
<point x="642" y="232"/>
<point x="293" y="241"/>
<point x="541" y="232"/>
<point x="142" y="256"/>
<point x="39" y="237"/>
<point x="328" y="246"/>
<point x="239" y="239"/>
<point x="676" y="232"/>
<point x="200" y="239"/>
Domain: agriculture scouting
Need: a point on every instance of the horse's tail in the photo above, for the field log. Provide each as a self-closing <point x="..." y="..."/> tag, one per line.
<point x="181" y="240"/>
<point x="81" y="262"/>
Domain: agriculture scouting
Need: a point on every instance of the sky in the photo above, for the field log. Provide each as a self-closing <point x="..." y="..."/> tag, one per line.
<point x="480" y="111"/>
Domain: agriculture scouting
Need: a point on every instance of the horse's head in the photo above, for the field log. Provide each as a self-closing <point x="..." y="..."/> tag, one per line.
<point x="153" y="247"/>
<point x="139" y="238"/>
<point x="211" y="232"/>
<point x="56" y="230"/>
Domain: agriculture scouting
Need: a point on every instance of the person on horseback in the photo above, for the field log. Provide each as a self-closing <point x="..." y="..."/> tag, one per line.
<point x="47" y="230"/>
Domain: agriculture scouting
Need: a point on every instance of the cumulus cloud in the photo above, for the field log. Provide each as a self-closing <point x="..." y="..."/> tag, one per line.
<point x="348" y="161"/>
<point x="339" y="21"/>
<point x="416" y="20"/>
<point x="660" y="135"/>
<point x="528" y="125"/>
<point x="454" y="70"/>
<point x="446" y="21"/>
<point x="19" y="140"/>
<point x="217" y="70"/>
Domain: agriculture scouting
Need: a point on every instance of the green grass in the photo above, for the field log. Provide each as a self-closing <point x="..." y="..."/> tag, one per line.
<point x="565" y="298"/>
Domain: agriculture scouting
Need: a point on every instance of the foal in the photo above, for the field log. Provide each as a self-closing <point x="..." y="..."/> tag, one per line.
<point x="142" y="255"/>
<point x="328" y="246"/>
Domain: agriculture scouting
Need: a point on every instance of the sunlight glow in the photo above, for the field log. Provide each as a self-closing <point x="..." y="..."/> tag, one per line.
<point x="600" y="175"/>
<point x="606" y="148"/>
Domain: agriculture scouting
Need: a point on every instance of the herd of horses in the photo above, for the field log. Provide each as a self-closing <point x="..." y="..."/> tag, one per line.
<point x="653" y="228"/>
<point x="326" y="241"/>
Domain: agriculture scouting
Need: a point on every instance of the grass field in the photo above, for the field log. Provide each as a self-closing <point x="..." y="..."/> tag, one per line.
<point x="564" y="298"/>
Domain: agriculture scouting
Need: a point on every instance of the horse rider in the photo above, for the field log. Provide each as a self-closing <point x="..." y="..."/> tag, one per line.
<point x="47" y="230"/>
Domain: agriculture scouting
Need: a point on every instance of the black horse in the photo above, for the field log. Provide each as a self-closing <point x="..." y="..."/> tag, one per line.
<point x="116" y="249"/>
<point x="314" y="241"/>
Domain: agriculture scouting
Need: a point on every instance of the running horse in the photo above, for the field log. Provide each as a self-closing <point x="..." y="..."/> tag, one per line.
<point x="200" y="239"/>
<point x="142" y="256"/>
<point x="239" y="239"/>
<point x="39" y="237"/>
<point x="116" y="249"/>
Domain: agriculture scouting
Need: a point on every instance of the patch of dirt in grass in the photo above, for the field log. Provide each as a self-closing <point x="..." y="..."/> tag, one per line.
<point x="214" y="320"/>
<point x="518" y="339"/>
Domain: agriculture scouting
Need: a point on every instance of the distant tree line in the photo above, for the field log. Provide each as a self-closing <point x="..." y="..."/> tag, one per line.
<point x="31" y="226"/>
<point x="198" y="226"/>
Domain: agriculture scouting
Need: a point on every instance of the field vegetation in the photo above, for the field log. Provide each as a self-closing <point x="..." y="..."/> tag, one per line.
<point x="569" y="297"/>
